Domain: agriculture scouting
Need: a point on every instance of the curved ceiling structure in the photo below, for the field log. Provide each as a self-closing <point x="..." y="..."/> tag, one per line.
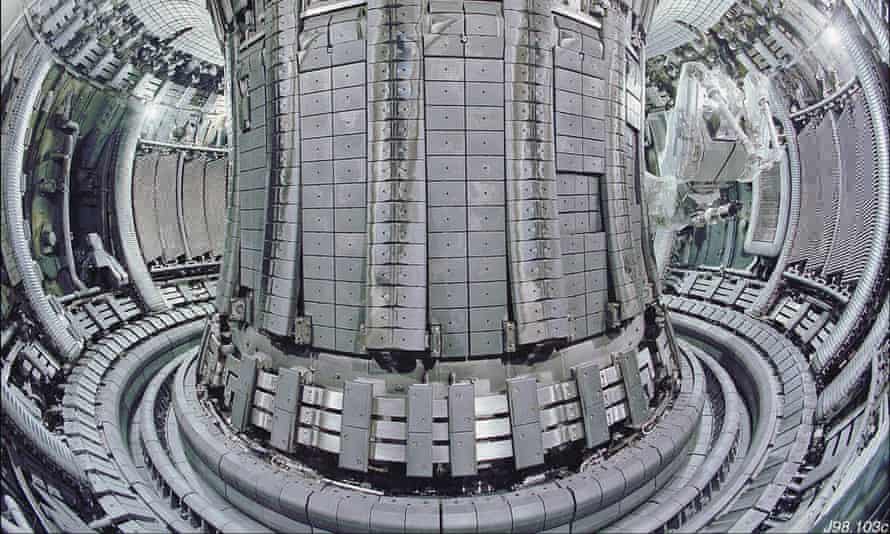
<point x="677" y="22"/>
<point x="186" y="22"/>
<point x="444" y="266"/>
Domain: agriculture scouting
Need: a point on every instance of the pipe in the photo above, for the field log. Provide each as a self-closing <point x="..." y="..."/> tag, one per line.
<point x="825" y="101"/>
<point x="71" y="130"/>
<point x="185" y="146"/>
<point x="648" y="246"/>
<point x="816" y="286"/>
<point x="48" y="443"/>
<point x="228" y="277"/>
<point x="840" y="391"/>
<point x="861" y="436"/>
<point x="21" y="107"/>
<point x="7" y="335"/>
<point x="123" y="207"/>
<point x="767" y="296"/>
<point x="881" y="32"/>
<point x="19" y="521"/>
<point x="871" y="274"/>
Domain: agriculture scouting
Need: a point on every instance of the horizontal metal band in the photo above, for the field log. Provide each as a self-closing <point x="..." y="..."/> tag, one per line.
<point x="319" y="416"/>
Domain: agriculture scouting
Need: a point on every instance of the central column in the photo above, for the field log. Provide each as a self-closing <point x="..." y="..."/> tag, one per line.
<point x="396" y="298"/>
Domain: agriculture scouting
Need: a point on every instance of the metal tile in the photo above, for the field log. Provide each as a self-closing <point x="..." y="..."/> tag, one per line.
<point x="484" y="46"/>
<point x="487" y="218"/>
<point x="596" y="427"/>
<point x="419" y="455"/>
<point x="447" y="194"/>
<point x="485" y="343"/>
<point x="485" y="143"/>
<point x="487" y="244"/>
<point x="443" y="69"/>
<point x="318" y="290"/>
<point x="314" y="81"/>
<point x="350" y="220"/>
<point x="484" y="94"/>
<point x="487" y="294"/>
<point x="452" y="320"/>
<point x="318" y="220"/>
<point x="350" y="146"/>
<point x="528" y="449"/>
<point x="322" y="313"/>
<point x="348" y="75"/>
<point x="447" y="269"/>
<point x="349" y="52"/>
<point x="350" y="269"/>
<point x="243" y="398"/>
<point x="446" y="143"/>
<point x="445" y="118"/>
<point x="349" y="98"/>
<point x="349" y="122"/>
<point x="461" y="426"/>
<point x="349" y="171"/>
<point x="320" y="267"/>
<point x="350" y="293"/>
<point x="420" y="408"/>
<point x="637" y="404"/>
<point x="354" y="448"/>
<point x="448" y="295"/>
<point x="447" y="167"/>
<point x="316" y="103"/>
<point x="315" y="243"/>
<point x="317" y="149"/>
<point x="484" y="70"/>
<point x="443" y="45"/>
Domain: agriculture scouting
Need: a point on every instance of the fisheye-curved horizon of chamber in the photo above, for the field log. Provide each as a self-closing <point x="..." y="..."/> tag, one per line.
<point x="444" y="265"/>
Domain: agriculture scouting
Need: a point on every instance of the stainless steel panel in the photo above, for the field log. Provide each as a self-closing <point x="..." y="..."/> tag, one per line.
<point x="487" y="244"/>
<point x="350" y="269"/>
<point x="316" y="103"/>
<point x="318" y="243"/>
<point x="349" y="220"/>
<point x="322" y="313"/>
<point x="350" y="146"/>
<point x="447" y="194"/>
<point x="350" y="122"/>
<point x="484" y="94"/>
<point x="348" y="98"/>
<point x="446" y="143"/>
<point x="449" y="295"/>
<point x="447" y="269"/>
<point x="487" y="294"/>
<point x="484" y="70"/>
<point x="321" y="267"/>
<point x="349" y="171"/>
<point x="318" y="172"/>
<point x="487" y="218"/>
<point x="444" y="69"/>
<point x="317" y="149"/>
<point x="487" y="269"/>
<point x="447" y="219"/>
<point x="485" y="143"/>
<point x="446" y="167"/>
<point x="445" y="118"/>
<point x="348" y="75"/>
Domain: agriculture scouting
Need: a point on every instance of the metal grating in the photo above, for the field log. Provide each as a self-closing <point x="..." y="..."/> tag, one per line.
<point x="675" y="21"/>
<point x="188" y="20"/>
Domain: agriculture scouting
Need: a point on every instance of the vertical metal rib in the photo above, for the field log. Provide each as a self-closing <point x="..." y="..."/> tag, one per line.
<point x="536" y="273"/>
<point x="123" y="207"/>
<point x="231" y="252"/>
<point x="282" y="274"/>
<point x="622" y="256"/>
<point x="397" y="277"/>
